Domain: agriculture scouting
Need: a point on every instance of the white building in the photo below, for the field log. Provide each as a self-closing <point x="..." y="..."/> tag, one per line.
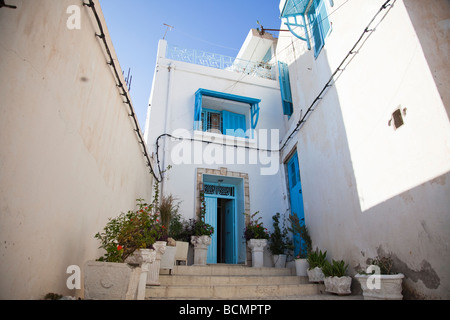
<point x="227" y="111"/>
<point x="374" y="152"/>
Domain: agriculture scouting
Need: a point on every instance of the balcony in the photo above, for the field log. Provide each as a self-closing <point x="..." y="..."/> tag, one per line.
<point x="213" y="60"/>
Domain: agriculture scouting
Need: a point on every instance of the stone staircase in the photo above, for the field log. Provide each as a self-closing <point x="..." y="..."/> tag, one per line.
<point x="236" y="282"/>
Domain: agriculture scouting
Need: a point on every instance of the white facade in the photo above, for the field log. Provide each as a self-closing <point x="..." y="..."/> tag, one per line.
<point x="258" y="176"/>
<point x="369" y="188"/>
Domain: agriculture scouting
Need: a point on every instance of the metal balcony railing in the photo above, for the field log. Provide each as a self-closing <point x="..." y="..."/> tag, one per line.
<point x="218" y="61"/>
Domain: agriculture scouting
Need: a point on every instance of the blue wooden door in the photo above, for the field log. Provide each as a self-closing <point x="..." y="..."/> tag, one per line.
<point x="229" y="232"/>
<point x="211" y="218"/>
<point x="296" y="197"/>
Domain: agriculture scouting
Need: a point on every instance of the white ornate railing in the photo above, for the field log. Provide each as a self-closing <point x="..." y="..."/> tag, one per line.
<point x="218" y="61"/>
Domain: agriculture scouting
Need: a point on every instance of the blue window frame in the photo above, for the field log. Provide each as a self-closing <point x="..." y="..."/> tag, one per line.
<point x="285" y="88"/>
<point x="224" y="121"/>
<point x="321" y="27"/>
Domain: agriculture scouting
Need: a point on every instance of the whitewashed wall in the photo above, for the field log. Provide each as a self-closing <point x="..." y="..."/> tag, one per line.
<point x="369" y="189"/>
<point x="69" y="158"/>
<point x="172" y="105"/>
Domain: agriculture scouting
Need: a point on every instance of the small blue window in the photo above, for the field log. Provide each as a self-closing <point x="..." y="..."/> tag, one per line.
<point x="225" y="122"/>
<point x="285" y="88"/>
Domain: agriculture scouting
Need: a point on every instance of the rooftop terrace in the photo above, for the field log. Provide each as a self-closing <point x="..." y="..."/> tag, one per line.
<point x="259" y="69"/>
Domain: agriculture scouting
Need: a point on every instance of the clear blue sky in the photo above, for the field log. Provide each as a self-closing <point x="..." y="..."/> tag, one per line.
<point x="136" y="26"/>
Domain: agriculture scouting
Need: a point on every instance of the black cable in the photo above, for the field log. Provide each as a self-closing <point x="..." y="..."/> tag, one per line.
<point x="308" y="111"/>
<point x="339" y="69"/>
<point x="124" y="93"/>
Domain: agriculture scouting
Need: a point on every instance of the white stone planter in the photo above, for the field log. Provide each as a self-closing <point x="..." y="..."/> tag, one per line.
<point x="315" y="275"/>
<point x="301" y="267"/>
<point x="168" y="259"/>
<point x="144" y="258"/>
<point x="110" y="281"/>
<point x="153" y="273"/>
<point x="181" y="254"/>
<point x="257" y="247"/>
<point x="381" y="286"/>
<point x="279" y="260"/>
<point x="338" y="285"/>
<point x="200" y="244"/>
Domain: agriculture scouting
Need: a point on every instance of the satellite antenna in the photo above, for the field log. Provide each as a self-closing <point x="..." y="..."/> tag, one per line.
<point x="168" y="28"/>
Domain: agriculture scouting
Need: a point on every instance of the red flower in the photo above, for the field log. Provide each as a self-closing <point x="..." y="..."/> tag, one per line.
<point x="119" y="247"/>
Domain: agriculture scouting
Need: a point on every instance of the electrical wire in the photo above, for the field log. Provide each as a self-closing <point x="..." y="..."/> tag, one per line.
<point x="367" y="31"/>
<point x="120" y="85"/>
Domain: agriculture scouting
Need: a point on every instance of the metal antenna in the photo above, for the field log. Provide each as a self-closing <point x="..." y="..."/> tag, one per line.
<point x="168" y="28"/>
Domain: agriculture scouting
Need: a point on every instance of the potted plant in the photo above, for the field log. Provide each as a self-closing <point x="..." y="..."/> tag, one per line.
<point x="256" y="236"/>
<point x="298" y="228"/>
<point x="316" y="260"/>
<point x="279" y="243"/>
<point x="336" y="281"/>
<point x="381" y="282"/>
<point x="128" y="240"/>
<point x="168" y="208"/>
<point x="201" y="235"/>
<point x="178" y="230"/>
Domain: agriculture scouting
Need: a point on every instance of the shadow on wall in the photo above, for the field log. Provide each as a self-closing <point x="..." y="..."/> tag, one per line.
<point x="411" y="226"/>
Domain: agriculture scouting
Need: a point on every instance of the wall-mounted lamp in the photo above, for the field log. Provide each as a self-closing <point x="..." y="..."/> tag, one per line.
<point x="397" y="118"/>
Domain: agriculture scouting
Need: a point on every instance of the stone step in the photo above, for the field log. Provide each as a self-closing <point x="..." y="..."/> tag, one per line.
<point x="231" y="291"/>
<point x="212" y="280"/>
<point x="223" y="281"/>
<point x="231" y="270"/>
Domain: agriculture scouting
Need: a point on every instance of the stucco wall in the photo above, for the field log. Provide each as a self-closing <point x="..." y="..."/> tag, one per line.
<point x="369" y="189"/>
<point x="69" y="158"/>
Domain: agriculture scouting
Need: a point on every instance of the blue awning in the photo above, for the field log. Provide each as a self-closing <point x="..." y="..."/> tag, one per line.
<point x="295" y="7"/>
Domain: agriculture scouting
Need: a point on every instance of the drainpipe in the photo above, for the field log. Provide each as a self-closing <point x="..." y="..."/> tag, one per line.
<point x="168" y="113"/>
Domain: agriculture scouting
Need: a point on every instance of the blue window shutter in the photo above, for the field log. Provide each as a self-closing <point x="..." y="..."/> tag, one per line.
<point x="198" y="112"/>
<point x="233" y="124"/>
<point x="326" y="26"/>
<point x="321" y="26"/>
<point x="285" y="87"/>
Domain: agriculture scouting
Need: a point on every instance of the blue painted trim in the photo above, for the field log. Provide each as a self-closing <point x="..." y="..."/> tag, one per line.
<point x="296" y="24"/>
<point x="227" y="96"/>
<point x="254" y="105"/>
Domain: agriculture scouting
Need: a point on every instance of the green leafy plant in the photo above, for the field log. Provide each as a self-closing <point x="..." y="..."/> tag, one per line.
<point x="335" y="268"/>
<point x="136" y="229"/>
<point x="299" y="227"/>
<point x="178" y="228"/>
<point x="279" y="243"/>
<point x="255" y="228"/>
<point x="317" y="259"/>
<point x="198" y="226"/>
